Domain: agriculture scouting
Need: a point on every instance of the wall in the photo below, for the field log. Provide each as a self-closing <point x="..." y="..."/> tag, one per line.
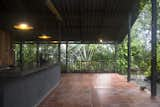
<point x="29" y="90"/>
<point x="6" y="51"/>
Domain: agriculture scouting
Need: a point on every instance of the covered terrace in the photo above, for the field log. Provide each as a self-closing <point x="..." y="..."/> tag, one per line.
<point x="46" y="22"/>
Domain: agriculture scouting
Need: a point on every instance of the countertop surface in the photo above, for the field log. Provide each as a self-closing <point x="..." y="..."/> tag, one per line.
<point x="13" y="72"/>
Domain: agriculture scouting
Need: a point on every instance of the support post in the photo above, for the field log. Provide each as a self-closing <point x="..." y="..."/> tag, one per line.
<point x="67" y="56"/>
<point x="115" y="57"/>
<point x="37" y="55"/>
<point x="59" y="44"/>
<point x="153" y="49"/>
<point x="129" y="50"/>
<point x="21" y="56"/>
<point x="59" y="52"/>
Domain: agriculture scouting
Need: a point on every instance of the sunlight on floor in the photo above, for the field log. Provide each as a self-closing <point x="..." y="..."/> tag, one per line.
<point x="103" y="81"/>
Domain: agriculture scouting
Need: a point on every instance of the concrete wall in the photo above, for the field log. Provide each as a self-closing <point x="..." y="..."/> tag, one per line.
<point x="29" y="90"/>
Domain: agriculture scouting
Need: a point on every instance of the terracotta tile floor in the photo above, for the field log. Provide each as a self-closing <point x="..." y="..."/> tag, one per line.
<point x="98" y="90"/>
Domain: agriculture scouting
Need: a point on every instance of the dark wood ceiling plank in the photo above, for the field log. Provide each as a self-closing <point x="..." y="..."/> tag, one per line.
<point x="83" y="19"/>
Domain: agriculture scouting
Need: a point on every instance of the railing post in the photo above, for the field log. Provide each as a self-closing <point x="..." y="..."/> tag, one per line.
<point x="153" y="49"/>
<point x="129" y="49"/>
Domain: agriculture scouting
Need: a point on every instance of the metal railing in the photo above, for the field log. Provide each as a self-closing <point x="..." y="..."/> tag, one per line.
<point x="91" y="66"/>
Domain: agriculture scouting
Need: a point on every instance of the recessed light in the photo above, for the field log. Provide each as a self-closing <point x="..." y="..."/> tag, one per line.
<point x="23" y="26"/>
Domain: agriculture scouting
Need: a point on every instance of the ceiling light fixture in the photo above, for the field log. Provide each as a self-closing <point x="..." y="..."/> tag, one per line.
<point x="100" y="40"/>
<point x="23" y="26"/>
<point x="44" y="37"/>
<point x="55" y="42"/>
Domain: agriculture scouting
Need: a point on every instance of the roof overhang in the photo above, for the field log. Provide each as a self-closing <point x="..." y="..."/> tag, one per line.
<point x="81" y="20"/>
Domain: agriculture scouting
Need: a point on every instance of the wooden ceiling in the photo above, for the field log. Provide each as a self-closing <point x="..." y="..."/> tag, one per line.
<point x="83" y="20"/>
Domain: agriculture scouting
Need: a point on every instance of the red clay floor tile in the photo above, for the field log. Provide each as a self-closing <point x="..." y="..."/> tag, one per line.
<point x="98" y="90"/>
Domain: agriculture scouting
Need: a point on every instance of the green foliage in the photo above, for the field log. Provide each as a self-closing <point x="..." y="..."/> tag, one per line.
<point x="29" y="53"/>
